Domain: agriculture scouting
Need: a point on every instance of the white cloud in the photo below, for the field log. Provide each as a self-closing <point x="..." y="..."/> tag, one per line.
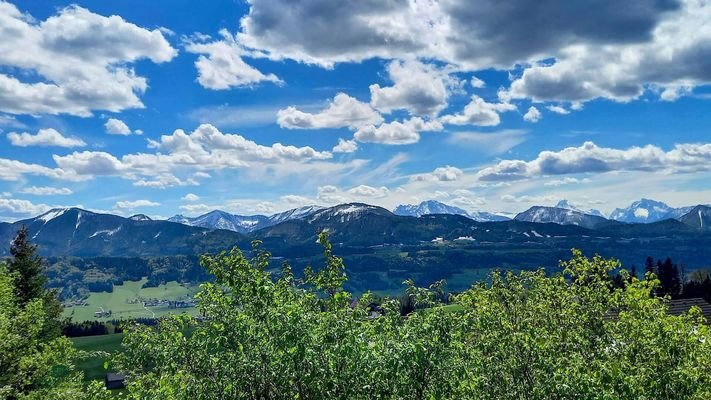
<point x="196" y="208"/>
<point x="532" y="115"/>
<point x="368" y="191"/>
<point x="13" y="170"/>
<point x="117" y="127"/>
<point x="46" y="191"/>
<point x="597" y="50"/>
<point x="345" y="146"/>
<point x="489" y="143"/>
<point x="183" y="158"/>
<point x="191" y="197"/>
<point x="84" y="60"/>
<point x="672" y="60"/>
<point x="343" y="112"/>
<point x="565" y="181"/>
<point x="44" y="137"/>
<point x="530" y="199"/>
<point x="477" y="83"/>
<point x="21" y="208"/>
<point x="397" y="133"/>
<point x="558" y="110"/>
<point x="590" y="158"/>
<point x="440" y="174"/>
<point x="130" y="205"/>
<point x="479" y="112"/>
<point x="11" y="122"/>
<point x="220" y="65"/>
<point x="419" y="88"/>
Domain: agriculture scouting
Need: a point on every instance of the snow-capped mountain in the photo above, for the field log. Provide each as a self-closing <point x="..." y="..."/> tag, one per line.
<point x="698" y="217"/>
<point x="428" y="207"/>
<point x="677" y="213"/>
<point x="561" y="216"/>
<point x="643" y="211"/>
<point x="566" y="204"/>
<point x="140" y="217"/>
<point x="435" y="207"/>
<point x="222" y="220"/>
<point x="77" y="232"/>
<point x="243" y="223"/>
<point x="295" y="213"/>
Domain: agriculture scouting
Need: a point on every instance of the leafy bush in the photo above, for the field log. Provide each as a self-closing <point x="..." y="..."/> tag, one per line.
<point x="521" y="336"/>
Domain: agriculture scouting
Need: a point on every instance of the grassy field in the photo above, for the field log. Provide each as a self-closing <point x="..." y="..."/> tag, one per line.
<point x="126" y="301"/>
<point x="93" y="367"/>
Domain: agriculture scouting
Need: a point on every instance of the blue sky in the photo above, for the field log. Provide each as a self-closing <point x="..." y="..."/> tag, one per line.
<point x="169" y="107"/>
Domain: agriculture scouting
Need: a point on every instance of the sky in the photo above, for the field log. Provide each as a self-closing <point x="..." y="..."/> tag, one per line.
<point x="181" y="107"/>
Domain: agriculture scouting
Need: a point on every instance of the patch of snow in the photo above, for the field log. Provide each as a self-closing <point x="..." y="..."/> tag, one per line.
<point x="79" y="215"/>
<point x="438" y="240"/>
<point x="157" y="234"/>
<point x="536" y="234"/>
<point x="701" y="219"/>
<point x="52" y="214"/>
<point x="109" y="232"/>
<point x="641" y="213"/>
<point x="527" y="235"/>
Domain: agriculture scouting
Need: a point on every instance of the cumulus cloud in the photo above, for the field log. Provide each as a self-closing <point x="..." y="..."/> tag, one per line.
<point x="489" y="143"/>
<point x="440" y="174"/>
<point x="46" y="191"/>
<point x="532" y="115"/>
<point x="418" y="88"/>
<point x="396" y="132"/>
<point x="21" y="208"/>
<point x="84" y="59"/>
<point x="369" y="191"/>
<point x="117" y="127"/>
<point x="220" y="65"/>
<point x="183" y="157"/>
<point x="191" y="197"/>
<point x="304" y="31"/>
<point x="130" y="205"/>
<point x="345" y="146"/>
<point x="477" y="83"/>
<point x="330" y="194"/>
<point x="343" y="112"/>
<point x="479" y="112"/>
<point x="674" y="58"/>
<point x="558" y="110"/>
<point x="590" y="158"/>
<point x="593" y="49"/>
<point x="13" y="170"/>
<point x="44" y="137"/>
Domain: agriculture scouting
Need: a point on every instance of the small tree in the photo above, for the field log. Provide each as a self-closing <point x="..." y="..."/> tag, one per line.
<point x="29" y="280"/>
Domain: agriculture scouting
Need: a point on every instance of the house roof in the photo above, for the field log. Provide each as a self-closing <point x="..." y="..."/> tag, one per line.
<point x="680" y="306"/>
<point x="114" y="377"/>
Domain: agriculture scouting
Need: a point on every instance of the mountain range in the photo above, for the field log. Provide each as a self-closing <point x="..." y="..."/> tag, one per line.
<point x="73" y="231"/>
<point x="435" y="207"/>
<point x="563" y="213"/>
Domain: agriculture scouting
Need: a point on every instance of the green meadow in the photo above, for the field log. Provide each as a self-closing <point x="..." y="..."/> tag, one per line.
<point x="126" y="302"/>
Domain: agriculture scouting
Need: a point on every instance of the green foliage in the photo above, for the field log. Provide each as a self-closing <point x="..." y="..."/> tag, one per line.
<point x="524" y="335"/>
<point x="29" y="282"/>
<point x="33" y="366"/>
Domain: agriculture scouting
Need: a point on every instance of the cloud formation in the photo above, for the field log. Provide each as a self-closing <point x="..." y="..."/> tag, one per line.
<point x="343" y="112"/>
<point x="396" y="132"/>
<point x="84" y="59"/>
<point x="44" y="137"/>
<point x="220" y="65"/>
<point x="590" y="158"/>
